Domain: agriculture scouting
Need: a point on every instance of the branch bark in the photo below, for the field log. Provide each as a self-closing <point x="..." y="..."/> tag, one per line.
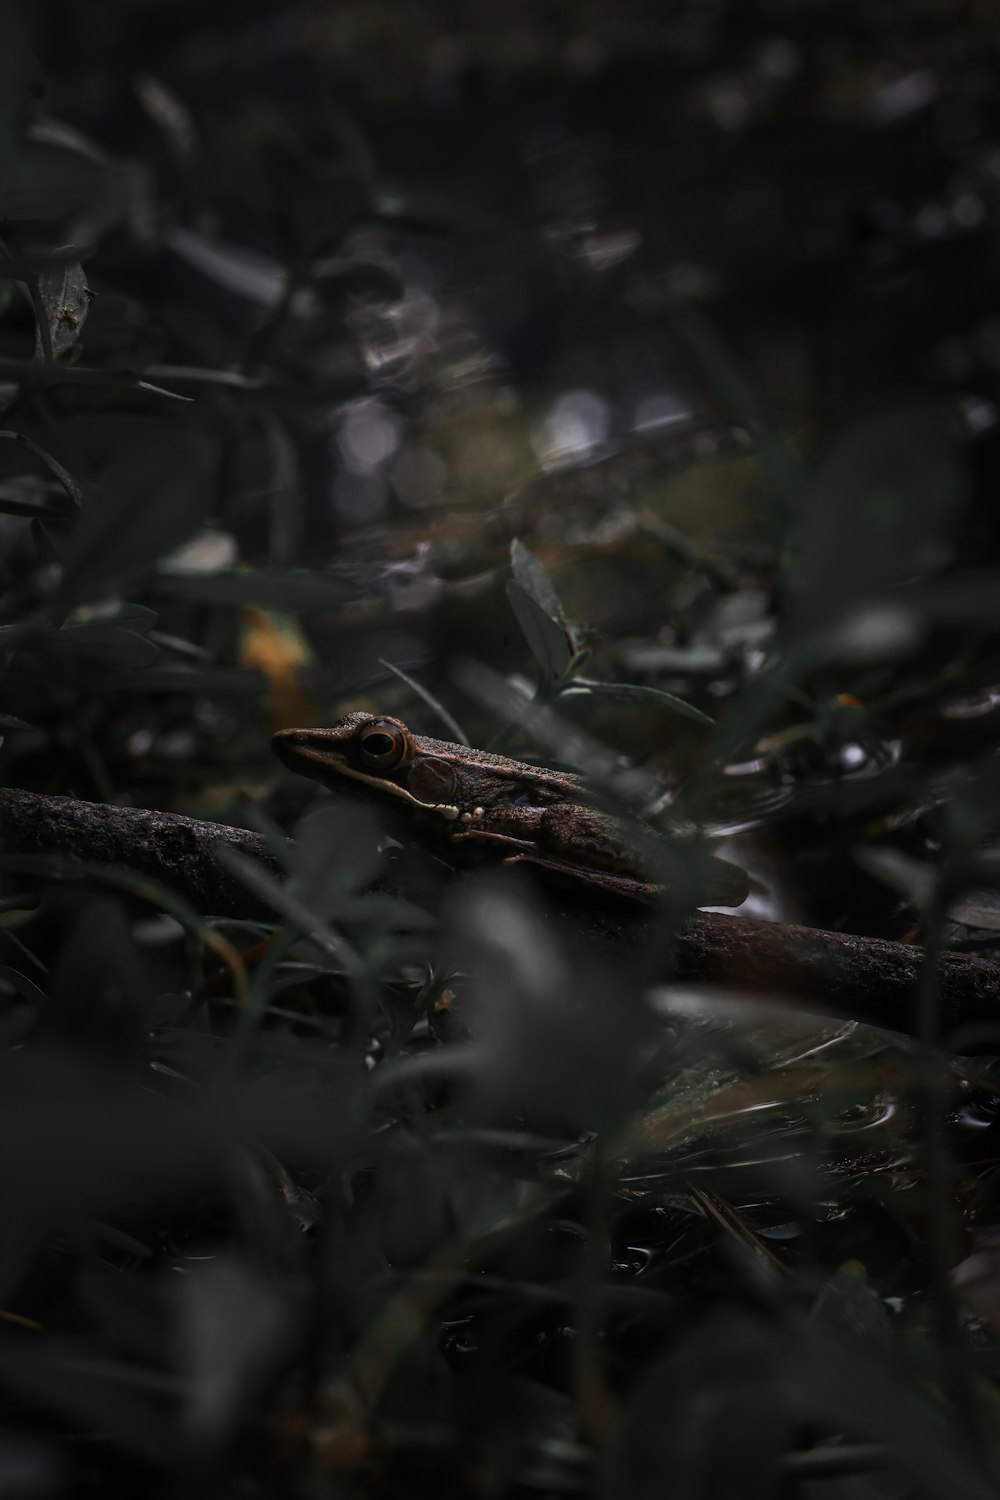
<point x="867" y="978"/>
<point x="177" y="851"/>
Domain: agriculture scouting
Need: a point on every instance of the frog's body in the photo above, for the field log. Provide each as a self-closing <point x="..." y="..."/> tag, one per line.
<point x="482" y="805"/>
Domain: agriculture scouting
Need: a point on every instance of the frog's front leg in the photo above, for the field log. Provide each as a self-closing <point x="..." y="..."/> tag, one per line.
<point x="570" y="836"/>
<point x="580" y="844"/>
<point x="572" y="842"/>
<point x="601" y="848"/>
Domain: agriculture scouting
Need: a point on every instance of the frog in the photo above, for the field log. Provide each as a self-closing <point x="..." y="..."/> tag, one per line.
<point x="475" y="805"/>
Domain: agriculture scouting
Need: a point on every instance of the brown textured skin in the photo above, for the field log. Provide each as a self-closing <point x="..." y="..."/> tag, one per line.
<point x="484" y="806"/>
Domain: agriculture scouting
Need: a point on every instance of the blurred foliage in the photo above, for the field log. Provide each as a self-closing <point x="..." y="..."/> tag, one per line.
<point x="617" y="386"/>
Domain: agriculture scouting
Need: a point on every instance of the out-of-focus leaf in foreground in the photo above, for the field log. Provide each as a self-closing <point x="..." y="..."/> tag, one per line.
<point x="878" y="511"/>
<point x="153" y="494"/>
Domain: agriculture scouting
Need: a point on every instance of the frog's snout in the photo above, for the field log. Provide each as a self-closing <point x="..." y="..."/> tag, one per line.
<point x="289" y="742"/>
<point x="297" y="748"/>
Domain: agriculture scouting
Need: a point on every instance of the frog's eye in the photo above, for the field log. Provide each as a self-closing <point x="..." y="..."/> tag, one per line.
<point x="381" y="745"/>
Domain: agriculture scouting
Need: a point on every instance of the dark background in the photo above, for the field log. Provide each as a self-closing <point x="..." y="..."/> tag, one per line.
<point x="317" y="324"/>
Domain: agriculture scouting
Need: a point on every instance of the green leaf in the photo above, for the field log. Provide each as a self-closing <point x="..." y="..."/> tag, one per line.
<point x="23" y="630"/>
<point x="132" y="1406"/>
<point x="719" y="1376"/>
<point x="184" y="680"/>
<point x="65" y="303"/>
<point x="33" y="508"/>
<point x="386" y="911"/>
<point x="733" y="393"/>
<point x="288" y="905"/>
<point x="105" y="643"/>
<point x="576" y="693"/>
<point x="336" y="852"/>
<point x="135" y="617"/>
<point x="547" y="640"/>
<point x="152" y="496"/>
<point x="452" y="725"/>
<point x="36" y="375"/>
<point x="22" y="985"/>
<point x="534" y="579"/>
<point x="844" y="1381"/>
<point x="690" y="554"/>
<point x="63" y="475"/>
<point x="108" y="646"/>
<point x="159" y="390"/>
<point x="293" y="590"/>
<point x="878" y="511"/>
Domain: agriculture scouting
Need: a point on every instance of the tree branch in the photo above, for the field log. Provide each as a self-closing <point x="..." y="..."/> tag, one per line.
<point x="177" y="851"/>
<point x="867" y="978"/>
